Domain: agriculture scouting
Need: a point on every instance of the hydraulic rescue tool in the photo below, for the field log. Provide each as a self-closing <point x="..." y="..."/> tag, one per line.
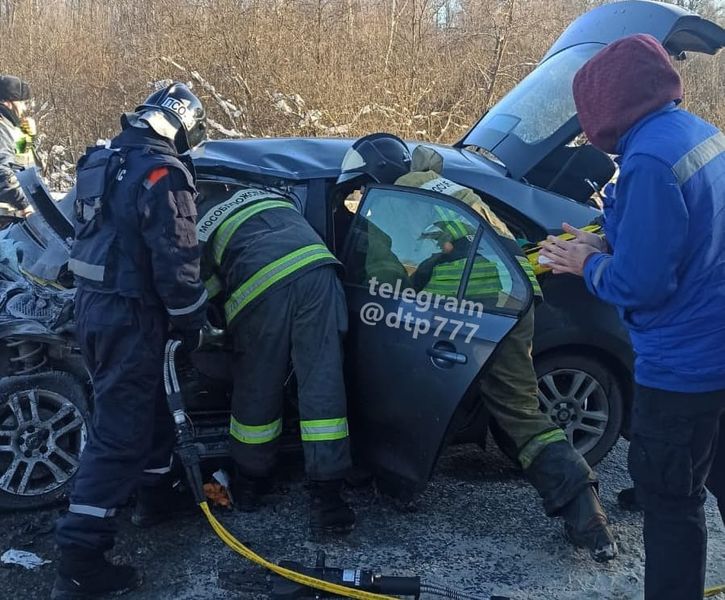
<point x="283" y="589"/>
<point x="297" y="581"/>
<point x="714" y="591"/>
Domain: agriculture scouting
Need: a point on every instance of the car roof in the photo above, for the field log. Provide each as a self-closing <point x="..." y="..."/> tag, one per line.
<point x="305" y="158"/>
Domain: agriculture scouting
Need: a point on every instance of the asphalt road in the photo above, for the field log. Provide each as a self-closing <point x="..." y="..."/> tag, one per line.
<point x="479" y="527"/>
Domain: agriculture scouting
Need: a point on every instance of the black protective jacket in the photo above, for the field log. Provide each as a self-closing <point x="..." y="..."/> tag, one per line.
<point x="256" y="240"/>
<point x="142" y="241"/>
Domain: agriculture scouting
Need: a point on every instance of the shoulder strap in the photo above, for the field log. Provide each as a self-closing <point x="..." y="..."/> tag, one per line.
<point x="96" y="177"/>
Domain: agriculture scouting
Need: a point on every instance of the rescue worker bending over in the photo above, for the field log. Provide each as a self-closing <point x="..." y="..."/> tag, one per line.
<point x="283" y="300"/>
<point x="16" y="142"/>
<point x="561" y="476"/>
<point x="136" y="262"/>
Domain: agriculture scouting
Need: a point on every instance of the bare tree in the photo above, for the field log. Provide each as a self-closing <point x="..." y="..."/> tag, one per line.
<point x="423" y="68"/>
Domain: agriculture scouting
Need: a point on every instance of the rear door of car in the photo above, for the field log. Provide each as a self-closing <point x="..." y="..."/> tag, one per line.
<point x="414" y="354"/>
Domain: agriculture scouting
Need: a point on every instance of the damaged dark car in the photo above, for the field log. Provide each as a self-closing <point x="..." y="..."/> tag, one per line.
<point x="409" y="395"/>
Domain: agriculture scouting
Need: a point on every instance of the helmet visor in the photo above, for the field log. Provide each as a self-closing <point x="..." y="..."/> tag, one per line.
<point x="436" y="234"/>
<point x="353" y="165"/>
<point x="432" y="232"/>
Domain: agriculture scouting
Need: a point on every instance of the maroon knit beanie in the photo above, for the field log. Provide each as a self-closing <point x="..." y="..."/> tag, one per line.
<point x="622" y="83"/>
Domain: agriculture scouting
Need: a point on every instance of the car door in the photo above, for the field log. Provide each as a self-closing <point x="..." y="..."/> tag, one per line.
<point x="422" y="325"/>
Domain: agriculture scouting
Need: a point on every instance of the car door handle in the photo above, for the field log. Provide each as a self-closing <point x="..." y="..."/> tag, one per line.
<point x="447" y="353"/>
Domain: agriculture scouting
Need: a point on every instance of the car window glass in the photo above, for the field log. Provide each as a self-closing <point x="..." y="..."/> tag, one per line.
<point x="412" y="238"/>
<point x="543" y="102"/>
<point x="494" y="281"/>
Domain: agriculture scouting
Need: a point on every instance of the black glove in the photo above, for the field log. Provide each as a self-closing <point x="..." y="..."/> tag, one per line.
<point x="190" y="338"/>
<point x="212" y="337"/>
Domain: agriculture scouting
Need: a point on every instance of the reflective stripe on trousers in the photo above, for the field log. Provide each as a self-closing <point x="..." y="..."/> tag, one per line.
<point x="92" y="511"/>
<point x="255" y="434"/>
<point x="160" y="470"/>
<point x="323" y="430"/>
<point x="319" y="430"/>
<point x="87" y="270"/>
<point x="530" y="451"/>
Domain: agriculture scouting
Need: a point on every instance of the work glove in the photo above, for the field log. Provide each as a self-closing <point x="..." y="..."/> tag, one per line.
<point x="27" y="140"/>
<point x="28" y="126"/>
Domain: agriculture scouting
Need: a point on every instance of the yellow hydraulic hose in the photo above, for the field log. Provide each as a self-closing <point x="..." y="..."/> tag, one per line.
<point x="190" y="460"/>
<point x="715" y="590"/>
<point x="171" y="384"/>
<point x="320" y="584"/>
<point x="305" y="580"/>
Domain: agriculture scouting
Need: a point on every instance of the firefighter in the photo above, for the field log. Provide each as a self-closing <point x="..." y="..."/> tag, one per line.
<point x="136" y="262"/>
<point x="661" y="265"/>
<point x="16" y="142"/>
<point x="283" y="302"/>
<point x="441" y="273"/>
<point x="561" y="476"/>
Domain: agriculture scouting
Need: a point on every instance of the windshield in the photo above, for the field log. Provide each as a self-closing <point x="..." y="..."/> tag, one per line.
<point x="543" y="101"/>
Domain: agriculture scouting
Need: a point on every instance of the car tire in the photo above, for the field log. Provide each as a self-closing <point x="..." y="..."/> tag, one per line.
<point x="43" y="428"/>
<point x="583" y="396"/>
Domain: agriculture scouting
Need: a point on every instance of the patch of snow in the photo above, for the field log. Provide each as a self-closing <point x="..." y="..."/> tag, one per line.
<point x="27" y="560"/>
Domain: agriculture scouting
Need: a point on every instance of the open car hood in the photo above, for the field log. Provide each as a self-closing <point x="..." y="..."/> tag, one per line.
<point x="538" y="116"/>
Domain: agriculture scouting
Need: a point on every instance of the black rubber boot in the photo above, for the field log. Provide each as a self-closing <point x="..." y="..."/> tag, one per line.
<point x="567" y="486"/>
<point x="161" y="503"/>
<point x="247" y="491"/>
<point x="329" y="514"/>
<point x="86" y="574"/>
<point x="586" y="525"/>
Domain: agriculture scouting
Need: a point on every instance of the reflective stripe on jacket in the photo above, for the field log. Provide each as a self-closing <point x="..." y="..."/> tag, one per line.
<point x="484" y="282"/>
<point x="256" y="240"/>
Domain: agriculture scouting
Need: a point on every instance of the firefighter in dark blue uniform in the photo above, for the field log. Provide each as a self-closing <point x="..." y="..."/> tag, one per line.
<point x="283" y="303"/>
<point x="136" y="261"/>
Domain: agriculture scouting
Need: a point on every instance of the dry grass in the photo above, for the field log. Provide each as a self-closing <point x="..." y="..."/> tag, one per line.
<point x="294" y="67"/>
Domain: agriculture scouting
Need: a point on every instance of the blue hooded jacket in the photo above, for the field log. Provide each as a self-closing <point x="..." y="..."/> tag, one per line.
<point x="666" y="227"/>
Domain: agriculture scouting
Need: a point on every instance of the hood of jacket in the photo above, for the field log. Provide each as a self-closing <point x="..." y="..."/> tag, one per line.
<point x="620" y="85"/>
